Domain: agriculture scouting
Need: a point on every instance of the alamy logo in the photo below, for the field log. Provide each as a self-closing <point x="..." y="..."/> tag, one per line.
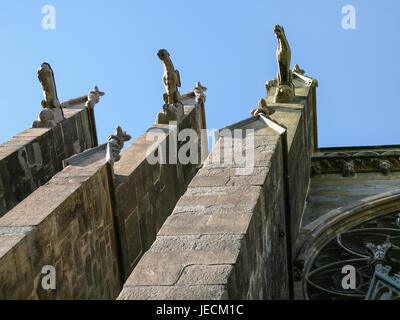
<point x="49" y="20"/>
<point x="349" y="20"/>
<point x="49" y="280"/>
<point x="349" y="280"/>
<point x="234" y="148"/>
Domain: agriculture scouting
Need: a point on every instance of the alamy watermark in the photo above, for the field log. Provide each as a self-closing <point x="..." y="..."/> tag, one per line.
<point x="349" y="18"/>
<point x="49" y="278"/>
<point x="349" y="280"/>
<point x="234" y="148"/>
<point x="49" y="18"/>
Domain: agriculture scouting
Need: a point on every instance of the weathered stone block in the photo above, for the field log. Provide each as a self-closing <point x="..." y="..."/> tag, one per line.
<point x="206" y="224"/>
<point x="205" y="275"/>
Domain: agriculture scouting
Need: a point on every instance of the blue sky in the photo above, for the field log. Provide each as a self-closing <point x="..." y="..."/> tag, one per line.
<point x="227" y="45"/>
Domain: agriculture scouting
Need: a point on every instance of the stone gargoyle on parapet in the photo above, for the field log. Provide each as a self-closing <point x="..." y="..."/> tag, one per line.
<point x="110" y="150"/>
<point x="173" y="107"/>
<point x="116" y="143"/>
<point x="198" y="92"/>
<point x="93" y="97"/>
<point x="51" y="113"/>
<point x="285" y="90"/>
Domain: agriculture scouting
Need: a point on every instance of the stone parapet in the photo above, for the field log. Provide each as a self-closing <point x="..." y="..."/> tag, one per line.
<point x="147" y="193"/>
<point x="32" y="157"/>
<point x="66" y="224"/>
<point x="226" y="238"/>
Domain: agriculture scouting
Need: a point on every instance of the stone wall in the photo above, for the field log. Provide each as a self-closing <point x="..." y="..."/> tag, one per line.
<point x="66" y="223"/>
<point x="147" y="193"/>
<point x="90" y="222"/>
<point x="299" y="118"/>
<point x="32" y="157"/>
<point x="331" y="191"/>
<point x="226" y="236"/>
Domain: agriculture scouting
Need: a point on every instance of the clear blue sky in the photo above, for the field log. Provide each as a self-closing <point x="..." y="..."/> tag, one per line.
<point x="227" y="45"/>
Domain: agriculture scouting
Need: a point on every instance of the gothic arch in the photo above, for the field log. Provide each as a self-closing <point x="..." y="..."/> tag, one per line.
<point x="349" y="222"/>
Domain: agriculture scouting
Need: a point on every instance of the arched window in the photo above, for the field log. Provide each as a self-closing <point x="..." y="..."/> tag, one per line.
<point x="355" y="253"/>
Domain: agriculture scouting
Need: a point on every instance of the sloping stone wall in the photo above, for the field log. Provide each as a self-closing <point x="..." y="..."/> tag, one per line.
<point x="299" y="118"/>
<point x="147" y="193"/>
<point x="90" y="223"/>
<point x="68" y="224"/>
<point x="226" y="236"/>
<point x="32" y="157"/>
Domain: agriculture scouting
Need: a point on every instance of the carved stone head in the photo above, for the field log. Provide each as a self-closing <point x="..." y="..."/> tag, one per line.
<point x="279" y="31"/>
<point x="385" y="166"/>
<point x="163" y="54"/>
<point x="348" y="169"/>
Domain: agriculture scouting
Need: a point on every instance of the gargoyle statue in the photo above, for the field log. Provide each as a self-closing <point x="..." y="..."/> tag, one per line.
<point x="46" y="78"/>
<point x="170" y="78"/>
<point x="51" y="113"/>
<point x="116" y="143"/>
<point x="262" y="108"/>
<point x="173" y="107"/>
<point x="285" y="90"/>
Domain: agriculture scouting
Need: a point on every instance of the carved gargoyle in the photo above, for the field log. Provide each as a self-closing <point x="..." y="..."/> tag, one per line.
<point x="262" y="108"/>
<point x="198" y="92"/>
<point x="116" y="142"/>
<point x="51" y="112"/>
<point x="285" y="90"/>
<point x="173" y="107"/>
<point x="385" y="167"/>
<point x="46" y="78"/>
<point x="348" y="169"/>
<point x="171" y="78"/>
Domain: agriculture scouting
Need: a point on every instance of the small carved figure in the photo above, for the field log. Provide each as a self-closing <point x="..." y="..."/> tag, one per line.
<point x="93" y="97"/>
<point x="116" y="142"/>
<point x="385" y="167"/>
<point x="171" y="78"/>
<point x="316" y="168"/>
<point x="199" y="92"/>
<point x="262" y="108"/>
<point x="285" y="90"/>
<point x="378" y="251"/>
<point x="348" y="169"/>
<point x="297" y="69"/>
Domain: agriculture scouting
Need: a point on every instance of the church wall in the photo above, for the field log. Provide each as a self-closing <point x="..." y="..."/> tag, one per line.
<point x="82" y="221"/>
<point x="331" y="191"/>
<point x="68" y="224"/>
<point x="32" y="157"/>
<point x="226" y="236"/>
<point x="298" y="119"/>
<point x="147" y="193"/>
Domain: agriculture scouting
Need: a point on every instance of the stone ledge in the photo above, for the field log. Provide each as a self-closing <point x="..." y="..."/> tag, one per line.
<point x="165" y="268"/>
<point x="206" y="224"/>
<point x="197" y="292"/>
<point x="209" y="242"/>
